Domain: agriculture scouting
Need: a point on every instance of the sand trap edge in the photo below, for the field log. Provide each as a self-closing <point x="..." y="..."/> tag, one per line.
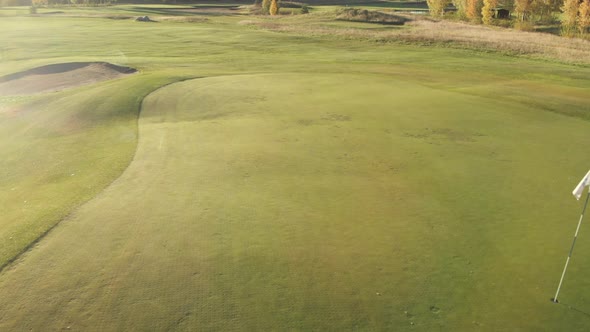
<point x="64" y="67"/>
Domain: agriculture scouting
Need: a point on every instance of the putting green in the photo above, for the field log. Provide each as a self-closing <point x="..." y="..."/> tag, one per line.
<point x="315" y="202"/>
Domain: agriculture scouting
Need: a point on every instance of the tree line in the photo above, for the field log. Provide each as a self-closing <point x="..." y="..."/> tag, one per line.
<point x="573" y="15"/>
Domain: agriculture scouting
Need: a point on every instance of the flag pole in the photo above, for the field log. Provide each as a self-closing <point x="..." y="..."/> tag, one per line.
<point x="569" y="256"/>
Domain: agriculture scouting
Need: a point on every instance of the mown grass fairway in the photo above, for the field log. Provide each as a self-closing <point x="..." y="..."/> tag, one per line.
<point x="283" y="182"/>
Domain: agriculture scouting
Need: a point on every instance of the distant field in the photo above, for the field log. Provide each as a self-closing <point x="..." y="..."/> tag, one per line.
<point x="248" y="179"/>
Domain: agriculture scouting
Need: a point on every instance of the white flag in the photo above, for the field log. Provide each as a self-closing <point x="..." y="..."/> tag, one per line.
<point x="583" y="184"/>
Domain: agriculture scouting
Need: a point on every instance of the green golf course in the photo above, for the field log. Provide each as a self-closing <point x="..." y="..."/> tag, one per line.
<point x="246" y="179"/>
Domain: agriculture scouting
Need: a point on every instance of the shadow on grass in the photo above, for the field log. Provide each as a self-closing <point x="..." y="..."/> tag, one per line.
<point x="189" y="11"/>
<point x="397" y="4"/>
<point x="554" y="30"/>
<point x="580" y="311"/>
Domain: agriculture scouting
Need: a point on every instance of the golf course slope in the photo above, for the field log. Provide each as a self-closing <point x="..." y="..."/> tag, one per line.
<point x="59" y="150"/>
<point x="364" y="202"/>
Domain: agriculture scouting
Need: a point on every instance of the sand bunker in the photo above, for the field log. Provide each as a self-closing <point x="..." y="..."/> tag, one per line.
<point x="60" y="76"/>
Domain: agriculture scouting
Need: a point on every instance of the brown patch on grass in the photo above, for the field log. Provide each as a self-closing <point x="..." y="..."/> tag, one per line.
<point x="60" y="76"/>
<point x="9" y="111"/>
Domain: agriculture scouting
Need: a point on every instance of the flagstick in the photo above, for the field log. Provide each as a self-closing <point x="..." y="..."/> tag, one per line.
<point x="571" y="249"/>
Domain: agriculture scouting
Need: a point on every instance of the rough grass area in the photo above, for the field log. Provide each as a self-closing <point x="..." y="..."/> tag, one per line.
<point x="291" y="181"/>
<point x="424" y="31"/>
<point x="573" y="50"/>
<point x="370" y="16"/>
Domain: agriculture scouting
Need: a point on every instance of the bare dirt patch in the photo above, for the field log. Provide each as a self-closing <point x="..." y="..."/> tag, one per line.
<point x="60" y="76"/>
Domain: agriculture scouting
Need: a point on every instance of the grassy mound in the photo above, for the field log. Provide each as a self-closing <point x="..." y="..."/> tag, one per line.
<point x="60" y="76"/>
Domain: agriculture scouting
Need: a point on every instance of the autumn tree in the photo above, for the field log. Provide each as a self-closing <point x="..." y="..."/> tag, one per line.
<point x="473" y="10"/>
<point x="487" y="12"/>
<point x="274" y="8"/>
<point x="570" y="16"/>
<point x="522" y="9"/>
<point x="437" y="7"/>
<point x="543" y="10"/>
<point x="461" y="6"/>
<point x="584" y="16"/>
<point x="266" y="6"/>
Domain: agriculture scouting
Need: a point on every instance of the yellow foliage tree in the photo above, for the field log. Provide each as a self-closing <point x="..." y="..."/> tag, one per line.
<point x="437" y="7"/>
<point x="461" y="6"/>
<point x="584" y="17"/>
<point x="522" y="8"/>
<point x="472" y="12"/>
<point x="274" y="7"/>
<point x="487" y="12"/>
<point x="266" y="6"/>
<point x="569" y="17"/>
